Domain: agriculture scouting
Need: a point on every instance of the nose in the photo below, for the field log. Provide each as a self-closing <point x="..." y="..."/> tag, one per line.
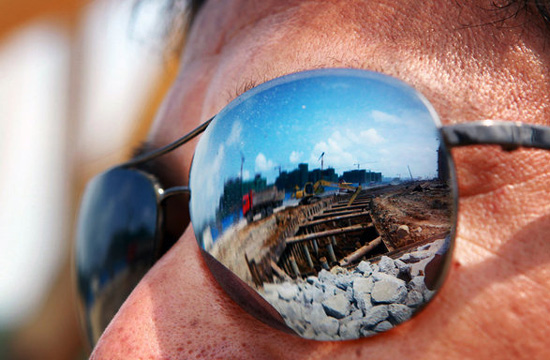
<point x="178" y="311"/>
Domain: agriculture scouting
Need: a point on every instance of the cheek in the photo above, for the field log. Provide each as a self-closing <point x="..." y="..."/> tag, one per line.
<point x="501" y="194"/>
<point x="179" y="311"/>
<point x="482" y="169"/>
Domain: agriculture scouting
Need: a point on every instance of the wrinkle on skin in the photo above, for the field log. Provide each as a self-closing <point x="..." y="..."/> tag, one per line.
<point x="415" y="56"/>
<point x="494" y="301"/>
<point x="506" y="209"/>
<point x="487" y="168"/>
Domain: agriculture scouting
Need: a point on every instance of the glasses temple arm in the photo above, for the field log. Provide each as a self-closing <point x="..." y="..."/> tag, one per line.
<point x="509" y="135"/>
<point x="176" y="190"/>
<point x="167" y="148"/>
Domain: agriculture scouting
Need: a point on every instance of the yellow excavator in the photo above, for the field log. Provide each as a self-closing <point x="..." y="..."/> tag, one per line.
<point x="310" y="189"/>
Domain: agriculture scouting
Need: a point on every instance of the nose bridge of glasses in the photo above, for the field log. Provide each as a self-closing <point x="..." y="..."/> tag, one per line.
<point x="176" y="190"/>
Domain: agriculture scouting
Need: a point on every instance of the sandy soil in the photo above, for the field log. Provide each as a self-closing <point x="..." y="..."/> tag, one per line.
<point x="424" y="207"/>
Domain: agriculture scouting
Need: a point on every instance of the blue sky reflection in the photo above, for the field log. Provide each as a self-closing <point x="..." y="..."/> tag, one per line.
<point x="358" y="119"/>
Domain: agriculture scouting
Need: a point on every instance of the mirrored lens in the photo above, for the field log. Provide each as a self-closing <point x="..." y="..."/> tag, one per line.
<point x="331" y="194"/>
<point x="115" y="243"/>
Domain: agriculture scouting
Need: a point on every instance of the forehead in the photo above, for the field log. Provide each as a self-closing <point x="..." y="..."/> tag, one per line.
<point x="258" y="41"/>
<point x="439" y="48"/>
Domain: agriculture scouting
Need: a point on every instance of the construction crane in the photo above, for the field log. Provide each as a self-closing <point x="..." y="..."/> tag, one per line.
<point x="367" y="162"/>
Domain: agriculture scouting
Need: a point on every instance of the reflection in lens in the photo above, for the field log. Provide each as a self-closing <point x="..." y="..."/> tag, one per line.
<point x="115" y="243"/>
<point x="331" y="193"/>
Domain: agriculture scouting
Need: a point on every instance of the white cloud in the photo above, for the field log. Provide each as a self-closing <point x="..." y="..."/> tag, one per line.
<point x="382" y="117"/>
<point x="246" y="175"/>
<point x="263" y="164"/>
<point x="362" y="139"/>
<point x="235" y="134"/>
<point x="371" y="136"/>
<point x="296" y="156"/>
<point x="206" y="184"/>
<point x="345" y="148"/>
<point x="335" y="156"/>
<point x="211" y="173"/>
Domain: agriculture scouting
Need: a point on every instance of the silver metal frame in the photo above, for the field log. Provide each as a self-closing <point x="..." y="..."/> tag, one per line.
<point x="167" y="148"/>
<point x="509" y="135"/>
<point x="176" y="190"/>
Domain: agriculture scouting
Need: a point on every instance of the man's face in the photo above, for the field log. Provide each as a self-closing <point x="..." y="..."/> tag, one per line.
<point x="470" y="66"/>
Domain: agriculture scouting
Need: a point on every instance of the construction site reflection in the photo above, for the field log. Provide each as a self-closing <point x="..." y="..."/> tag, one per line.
<point x="336" y="260"/>
<point x="333" y="198"/>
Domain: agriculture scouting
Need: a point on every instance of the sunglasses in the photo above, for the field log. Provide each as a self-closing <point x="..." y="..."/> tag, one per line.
<point x="324" y="202"/>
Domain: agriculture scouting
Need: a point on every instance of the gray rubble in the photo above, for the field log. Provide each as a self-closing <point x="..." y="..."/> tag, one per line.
<point x="343" y="304"/>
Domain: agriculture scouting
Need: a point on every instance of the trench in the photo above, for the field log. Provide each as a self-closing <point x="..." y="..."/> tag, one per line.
<point x="328" y="237"/>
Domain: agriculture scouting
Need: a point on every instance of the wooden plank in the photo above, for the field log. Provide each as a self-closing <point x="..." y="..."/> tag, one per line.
<point x="359" y="253"/>
<point x="354" y="196"/>
<point x="326" y="233"/>
<point x="345" y="204"/>
<point x="336" y="218"/>
<point x="278" y="271"/>
<point x="353" y="207"/>
<point x="324" y="216"/>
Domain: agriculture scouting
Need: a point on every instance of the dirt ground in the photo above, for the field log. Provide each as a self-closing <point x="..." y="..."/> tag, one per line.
<point x="403" y="214"/>
<point x="424" y="208"/>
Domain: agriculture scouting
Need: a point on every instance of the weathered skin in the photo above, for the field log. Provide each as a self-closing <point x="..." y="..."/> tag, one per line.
<point x="496" y="300"/>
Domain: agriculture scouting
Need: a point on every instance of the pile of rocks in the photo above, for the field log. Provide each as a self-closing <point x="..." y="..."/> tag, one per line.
<point x="342" y="304"/>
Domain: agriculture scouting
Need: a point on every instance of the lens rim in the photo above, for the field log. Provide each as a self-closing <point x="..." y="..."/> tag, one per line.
<point x="482" y="132"/>
<point x="447" y="155"/>
<point x="92" y="329"/>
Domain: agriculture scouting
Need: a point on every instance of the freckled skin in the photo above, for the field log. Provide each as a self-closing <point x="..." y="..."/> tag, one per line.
<point x="496" y="300"/>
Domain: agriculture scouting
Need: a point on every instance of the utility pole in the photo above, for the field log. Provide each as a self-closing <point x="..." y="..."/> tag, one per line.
<point x="242" y="164"/>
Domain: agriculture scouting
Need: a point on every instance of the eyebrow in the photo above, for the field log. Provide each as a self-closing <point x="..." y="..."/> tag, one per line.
<point x="512" y="9"/>
<point x="148" y="157"/>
